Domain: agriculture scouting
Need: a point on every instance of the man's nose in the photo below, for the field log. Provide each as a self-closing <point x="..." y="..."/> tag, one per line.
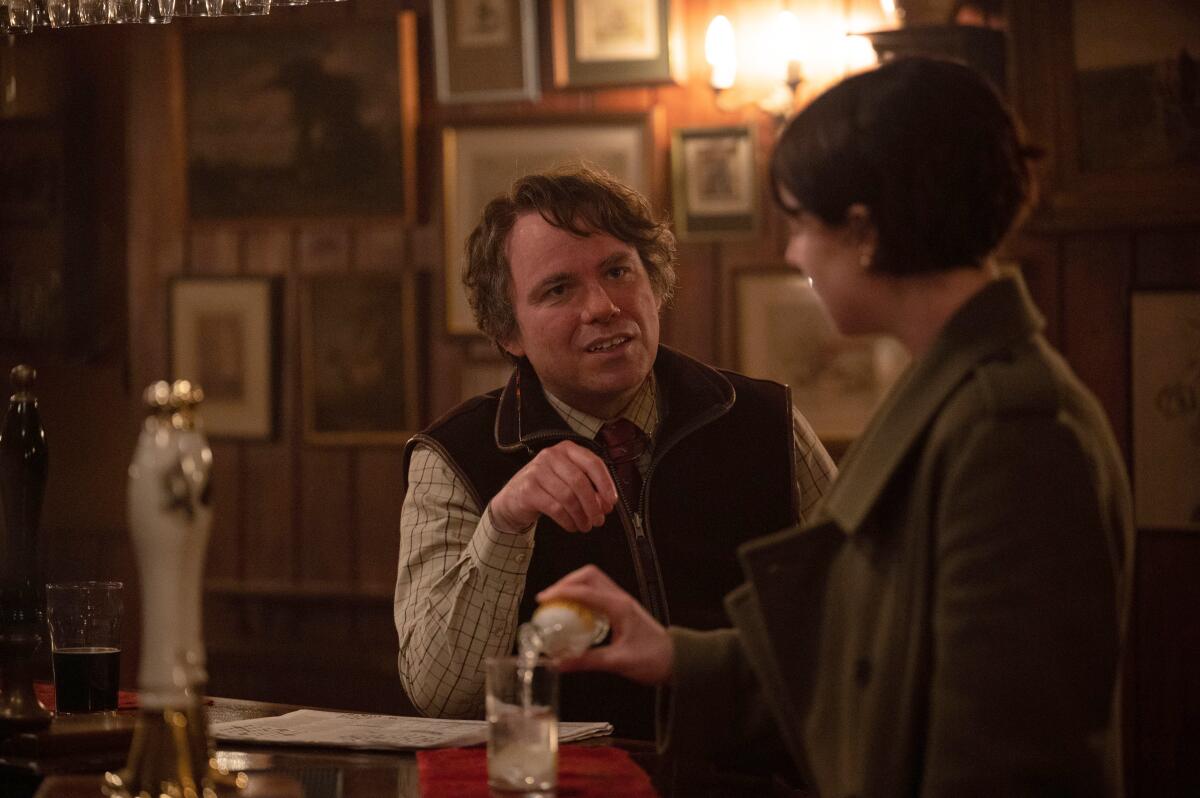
<point x="598" y="305"/>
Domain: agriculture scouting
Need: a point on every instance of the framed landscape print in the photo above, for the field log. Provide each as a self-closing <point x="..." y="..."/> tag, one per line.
<point x="715" y="182"/>
<point x="1165" y="368"/>
<point x="302" y="121"/>
<point x="482" y="160"/>
<point x="221" y="332"/>
<point x="486" y="50"/>
<point x="358" y="352"/>
<point x="1118" y="114"/>
<point x="607" y="42"/>
<point x="784" y="333"/>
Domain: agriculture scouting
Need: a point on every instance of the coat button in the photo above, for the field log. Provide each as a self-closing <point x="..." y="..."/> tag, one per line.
<point x="862" y="672"/>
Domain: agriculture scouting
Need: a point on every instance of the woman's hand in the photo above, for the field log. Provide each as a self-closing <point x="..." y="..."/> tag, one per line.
<point x="640" y="650"/>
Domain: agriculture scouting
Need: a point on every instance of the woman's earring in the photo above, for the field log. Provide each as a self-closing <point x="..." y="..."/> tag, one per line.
<point x="865" y="257"/>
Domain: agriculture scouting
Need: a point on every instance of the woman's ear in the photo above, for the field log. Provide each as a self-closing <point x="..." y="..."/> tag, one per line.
<point x="860" y="224"/>
<point x="860" y="227"/>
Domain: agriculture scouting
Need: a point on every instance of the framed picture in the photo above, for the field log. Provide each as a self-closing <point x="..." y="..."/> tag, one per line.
<point x="359" y="358"/>
<point x="715" y="182"/>
<point x="606" y="42"/>
<point x="482" y="160"/>
<point x="1165" y="368"/>
<point x="784" y="333"/>
<point x="1118" y="114"/>
<point x="292" y="121"/>
<point x="486" y="50"/>
<point x="221" y="332"/>
<point x="40" y="298"/>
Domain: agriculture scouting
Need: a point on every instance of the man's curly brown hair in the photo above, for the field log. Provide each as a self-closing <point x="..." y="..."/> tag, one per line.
<point x="579" y="199"/>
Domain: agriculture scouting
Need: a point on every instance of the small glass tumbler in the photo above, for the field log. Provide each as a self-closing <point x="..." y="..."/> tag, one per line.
<point x="522" y="715"/>
<point x="85" y="644"/>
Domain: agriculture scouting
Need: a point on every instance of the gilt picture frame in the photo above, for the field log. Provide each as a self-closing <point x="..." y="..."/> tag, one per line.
<point x="486" y="51"/>
<point x="783" y="333"/>
<point x="359" y="352"/>
<point x="481" y="159"/>
<point x="221" y="333"/>
<point x="715" y="182"/>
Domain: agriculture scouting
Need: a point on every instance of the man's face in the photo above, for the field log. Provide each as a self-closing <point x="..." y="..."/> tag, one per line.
<point x="587" y="317"/>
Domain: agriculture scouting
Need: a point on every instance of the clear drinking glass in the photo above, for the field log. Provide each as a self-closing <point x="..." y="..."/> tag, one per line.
<point x="85" y="643"/>
<point x="522" y="714"/>
<point x="93" y="12"/>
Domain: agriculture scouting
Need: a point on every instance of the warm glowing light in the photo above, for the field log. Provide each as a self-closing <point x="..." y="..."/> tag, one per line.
<point x="787" y="35"/>
<point x="720" y="51"/>
<point x="860" y="54"/>
<point x="889" y="7"/>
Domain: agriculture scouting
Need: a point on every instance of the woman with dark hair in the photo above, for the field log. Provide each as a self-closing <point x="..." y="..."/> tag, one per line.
<point x="951" y="622"/>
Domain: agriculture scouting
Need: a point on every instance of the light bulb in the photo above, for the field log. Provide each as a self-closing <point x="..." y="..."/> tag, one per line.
<point x="721" y="52"/>
<point x="787" y="36"/>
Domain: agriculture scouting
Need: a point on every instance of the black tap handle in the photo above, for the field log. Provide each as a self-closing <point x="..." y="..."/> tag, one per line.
<point x="24" y="464"/>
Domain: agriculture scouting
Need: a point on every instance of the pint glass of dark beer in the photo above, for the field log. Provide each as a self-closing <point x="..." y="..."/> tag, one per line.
<point x="85" y="643"/>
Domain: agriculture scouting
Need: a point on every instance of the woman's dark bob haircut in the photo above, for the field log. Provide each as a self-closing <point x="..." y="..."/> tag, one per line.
<point x="929" y="148"/>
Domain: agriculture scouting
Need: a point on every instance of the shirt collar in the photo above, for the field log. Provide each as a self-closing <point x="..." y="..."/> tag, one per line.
<point x="642" y="410"/>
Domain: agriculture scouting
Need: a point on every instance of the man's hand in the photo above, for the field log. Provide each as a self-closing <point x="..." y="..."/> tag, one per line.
<point x="566" y="482"/>
<point x="641" y="649"/>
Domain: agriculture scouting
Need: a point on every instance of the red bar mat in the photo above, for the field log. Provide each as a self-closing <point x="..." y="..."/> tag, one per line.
<point x="583" y="772"/>
<point x="126" y="699"/>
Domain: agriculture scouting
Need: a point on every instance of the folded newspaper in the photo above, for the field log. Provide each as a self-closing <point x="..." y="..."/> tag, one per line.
<point x="375" y="732"/>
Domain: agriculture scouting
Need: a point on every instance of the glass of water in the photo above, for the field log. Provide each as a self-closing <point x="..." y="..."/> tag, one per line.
<point x="522" y="714"/>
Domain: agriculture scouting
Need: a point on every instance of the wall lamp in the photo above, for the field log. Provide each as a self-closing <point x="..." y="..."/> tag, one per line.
<point x="782" y="60"/>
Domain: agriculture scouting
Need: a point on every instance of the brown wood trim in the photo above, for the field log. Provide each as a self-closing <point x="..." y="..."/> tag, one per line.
<point x="287" y="592"/>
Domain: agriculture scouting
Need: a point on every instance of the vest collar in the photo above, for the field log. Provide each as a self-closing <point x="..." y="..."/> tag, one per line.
<point x="997" y="317"/>
<point x="690" y="394"/>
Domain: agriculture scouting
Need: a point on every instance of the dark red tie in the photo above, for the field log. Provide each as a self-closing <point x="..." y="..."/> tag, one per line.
<point x="624" y="443"/>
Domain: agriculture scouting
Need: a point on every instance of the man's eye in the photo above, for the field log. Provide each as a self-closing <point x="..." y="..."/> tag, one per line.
<point x="618" y="271"/>
<point x="555" y="291"/>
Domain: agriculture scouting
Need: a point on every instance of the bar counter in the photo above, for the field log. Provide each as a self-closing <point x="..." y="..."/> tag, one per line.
<point x="69" y="759"/>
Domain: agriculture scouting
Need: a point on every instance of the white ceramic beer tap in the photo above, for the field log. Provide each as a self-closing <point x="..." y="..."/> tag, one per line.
<point x="195" y="459"/>
<point x="169" y="517"/>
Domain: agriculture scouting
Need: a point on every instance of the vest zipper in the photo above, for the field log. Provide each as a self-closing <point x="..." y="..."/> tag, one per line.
<point x="645" y="565"/>
<point x="642" y="542"/>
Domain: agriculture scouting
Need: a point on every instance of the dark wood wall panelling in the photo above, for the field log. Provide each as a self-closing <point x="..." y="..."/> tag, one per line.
<point x="1164" y="684"/>
<point x="1083" y="280"/>
<point x="1096" y="243"/>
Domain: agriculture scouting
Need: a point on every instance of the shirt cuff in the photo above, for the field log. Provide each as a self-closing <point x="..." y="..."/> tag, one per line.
<point x="502" y="554"/>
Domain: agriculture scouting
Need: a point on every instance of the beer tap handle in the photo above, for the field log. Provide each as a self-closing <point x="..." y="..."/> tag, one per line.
<point x="24" y="465"/>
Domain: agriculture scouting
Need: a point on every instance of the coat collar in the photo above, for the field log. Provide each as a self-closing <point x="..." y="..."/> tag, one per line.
<point x="1000" y="315"/>
<point x="688" y="391"/>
